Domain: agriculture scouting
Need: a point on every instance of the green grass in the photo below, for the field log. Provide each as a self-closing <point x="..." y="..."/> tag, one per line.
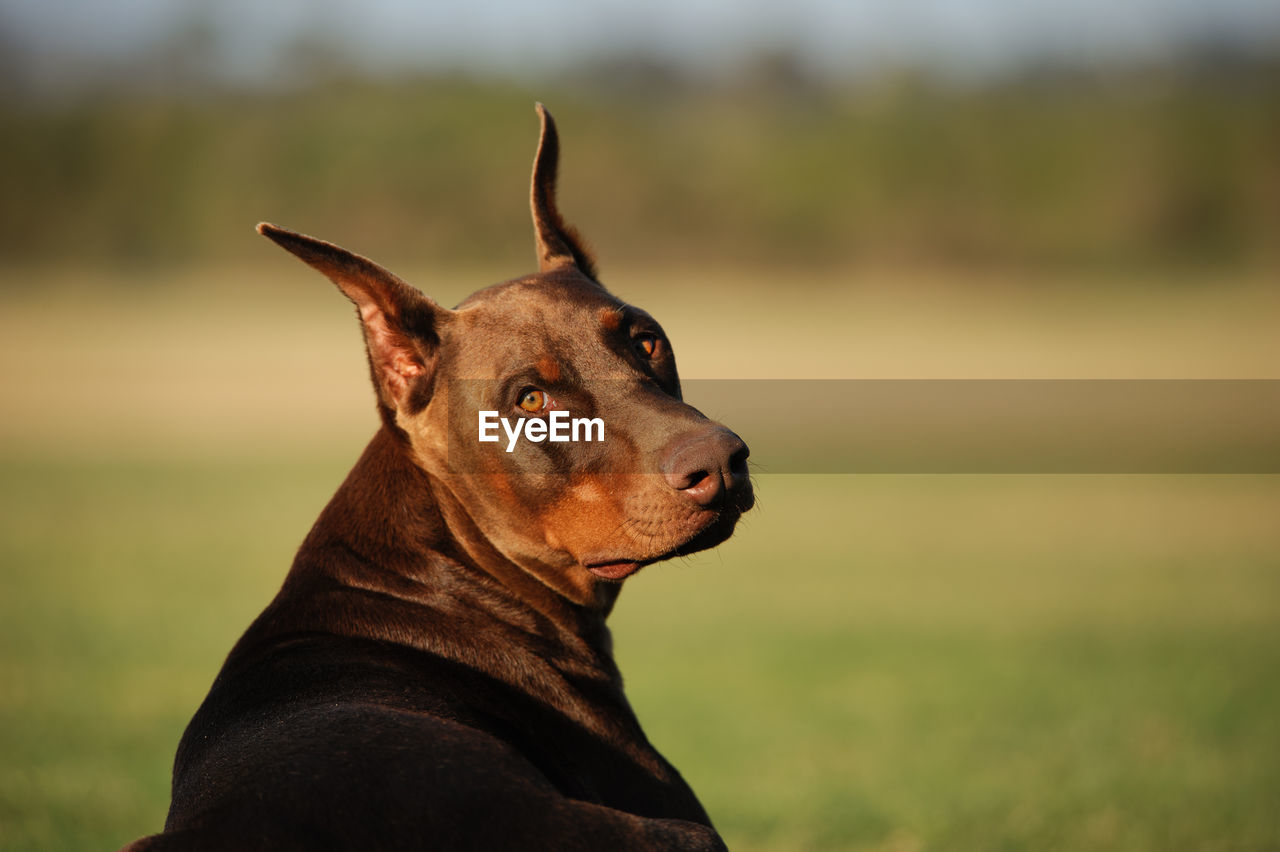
<point x="976" y="663"/>
<point x="873" y="662"/>
<point x="123" y="585"/>
<point x="883" y="662"/>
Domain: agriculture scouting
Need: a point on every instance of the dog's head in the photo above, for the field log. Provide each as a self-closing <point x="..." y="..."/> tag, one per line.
<point x="481" y="396"/>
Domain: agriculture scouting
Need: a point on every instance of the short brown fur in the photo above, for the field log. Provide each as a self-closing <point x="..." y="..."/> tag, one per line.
<point x="610" y="319"/>
<point x="548" y="368"/>
<point x="436" y="671"/>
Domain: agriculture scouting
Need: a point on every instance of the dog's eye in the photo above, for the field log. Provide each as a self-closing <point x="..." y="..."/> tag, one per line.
<point x="533" y="400"/>
<point x="646" y="345"/>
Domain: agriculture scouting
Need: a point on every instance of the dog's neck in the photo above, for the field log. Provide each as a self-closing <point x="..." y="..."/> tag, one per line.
<point x="405" y="527"/>
<point x="384" y="563"/>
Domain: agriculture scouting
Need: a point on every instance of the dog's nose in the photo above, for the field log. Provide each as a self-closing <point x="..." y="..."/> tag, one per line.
<point x="707" y="466"/>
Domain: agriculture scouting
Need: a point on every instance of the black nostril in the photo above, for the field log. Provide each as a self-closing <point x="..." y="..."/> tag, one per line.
<point x="692" y="479"/>
<point x="738" y="461"/>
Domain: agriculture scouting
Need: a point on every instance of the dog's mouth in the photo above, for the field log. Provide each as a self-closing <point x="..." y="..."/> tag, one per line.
<point x="615" y="571"/>
<point x="714" y="533"/>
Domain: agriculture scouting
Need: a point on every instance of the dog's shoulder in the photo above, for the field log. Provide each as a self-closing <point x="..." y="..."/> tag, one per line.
<point x="349" y="707"/>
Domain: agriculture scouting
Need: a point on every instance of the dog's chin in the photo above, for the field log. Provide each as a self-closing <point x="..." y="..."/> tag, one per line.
<point x="716" y="532"/>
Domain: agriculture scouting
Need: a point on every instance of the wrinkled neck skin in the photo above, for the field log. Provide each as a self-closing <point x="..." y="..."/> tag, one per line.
<point x="394" y="557"/>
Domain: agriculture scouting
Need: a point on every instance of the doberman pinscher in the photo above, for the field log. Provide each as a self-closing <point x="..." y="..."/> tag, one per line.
<point x="435" y="672"/>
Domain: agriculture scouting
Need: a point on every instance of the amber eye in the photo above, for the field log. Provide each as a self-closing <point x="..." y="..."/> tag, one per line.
<point x="533" y="400"/>
<point x="646" y="345"/>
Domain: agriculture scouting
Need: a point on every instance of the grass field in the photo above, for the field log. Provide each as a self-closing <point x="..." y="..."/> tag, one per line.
<point x="874" y="662"/>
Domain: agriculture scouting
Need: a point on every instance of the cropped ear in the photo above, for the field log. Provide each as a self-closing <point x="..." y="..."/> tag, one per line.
<point x="558" y="244"/>
<point x="401" y="325"/>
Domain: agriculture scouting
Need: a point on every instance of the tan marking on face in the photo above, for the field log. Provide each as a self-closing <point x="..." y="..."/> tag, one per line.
<point x="548" y="368"/>
<point x="498" y="483"/>
<point x="620" y="516"/>
<point x="610" y="318"/>
<point x="588" y="489"/>
<point x="585" y="517"/>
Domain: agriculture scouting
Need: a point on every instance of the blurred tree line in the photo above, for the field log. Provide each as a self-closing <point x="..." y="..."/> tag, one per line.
<point x="1116" y="167"/>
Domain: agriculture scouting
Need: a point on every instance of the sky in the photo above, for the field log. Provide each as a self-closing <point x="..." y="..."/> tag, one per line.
<point x="511" y="35"/>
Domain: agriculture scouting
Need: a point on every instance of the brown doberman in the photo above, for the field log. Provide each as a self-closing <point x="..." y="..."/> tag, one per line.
<point x="436" y="672"/>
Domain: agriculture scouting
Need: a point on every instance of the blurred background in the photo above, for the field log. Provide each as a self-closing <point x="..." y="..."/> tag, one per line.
<point x="935" y="189"/>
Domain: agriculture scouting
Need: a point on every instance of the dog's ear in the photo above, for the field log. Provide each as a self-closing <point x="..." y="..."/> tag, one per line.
<point x="558" y="244"/>
<point x="401" y="325"/>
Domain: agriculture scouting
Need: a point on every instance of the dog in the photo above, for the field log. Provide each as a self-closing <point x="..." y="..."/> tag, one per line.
<point x="436" y="672"/>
